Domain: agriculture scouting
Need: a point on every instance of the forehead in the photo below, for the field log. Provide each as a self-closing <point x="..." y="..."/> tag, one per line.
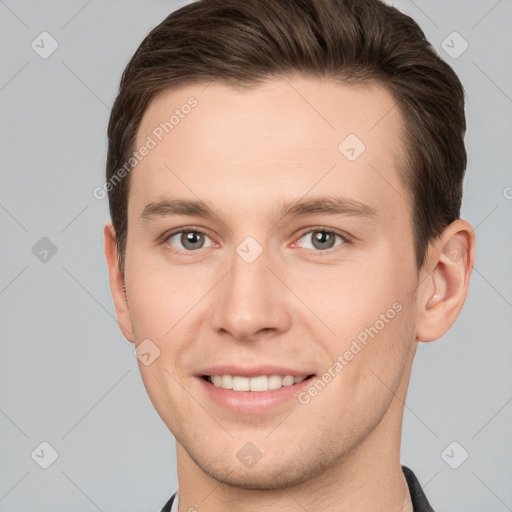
<point x="249" y="149"/>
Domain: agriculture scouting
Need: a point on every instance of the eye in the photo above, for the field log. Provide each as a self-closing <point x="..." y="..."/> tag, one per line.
<point x="190" y="240"/>
<point x="322" y="239"/>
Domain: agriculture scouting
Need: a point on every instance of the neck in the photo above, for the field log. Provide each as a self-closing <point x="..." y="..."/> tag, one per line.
<point x="393" y="496"/>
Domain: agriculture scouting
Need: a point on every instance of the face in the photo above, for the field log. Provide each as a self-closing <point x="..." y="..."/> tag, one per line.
<point x="269" y="236"/>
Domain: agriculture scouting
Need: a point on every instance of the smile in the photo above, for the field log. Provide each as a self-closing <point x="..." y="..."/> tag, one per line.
<point x="259" y="383"/>
<point x="255" y="393"/>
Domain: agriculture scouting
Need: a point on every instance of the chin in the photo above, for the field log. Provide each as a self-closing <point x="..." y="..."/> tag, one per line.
<point x="267" y="473"/>
<point x="266" y="478"/>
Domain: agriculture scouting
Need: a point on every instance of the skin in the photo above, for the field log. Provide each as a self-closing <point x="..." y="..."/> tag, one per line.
<point x="245" y="153"/>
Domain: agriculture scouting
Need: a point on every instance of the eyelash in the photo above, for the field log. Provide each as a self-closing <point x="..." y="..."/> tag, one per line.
<point x="347" y="239"/>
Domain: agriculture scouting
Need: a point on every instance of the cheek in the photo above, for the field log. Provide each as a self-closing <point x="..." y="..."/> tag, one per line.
<point x="370" y="320"/>
<point x="159" y="295"/>
<point x="368" y="369"/>
<point x="385" y="357"/>
<point x="166" y="303"/>
<point x="347" y="300"/>
<point x="168" y="396"/>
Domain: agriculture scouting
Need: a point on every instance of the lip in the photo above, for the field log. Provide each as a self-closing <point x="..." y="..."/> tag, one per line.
<point x="252" y="402"/>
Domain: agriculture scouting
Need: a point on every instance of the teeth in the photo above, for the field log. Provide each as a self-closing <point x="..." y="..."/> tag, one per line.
<point x="241" y="383"/>
<point x="275" y="382"/>
<point x="259" y="383"/>
<point x="288" y="380"/>
<point x="227" y="382"/>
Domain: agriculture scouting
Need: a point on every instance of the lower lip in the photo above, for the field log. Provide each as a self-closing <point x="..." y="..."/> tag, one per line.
<point x="252" y="402"/>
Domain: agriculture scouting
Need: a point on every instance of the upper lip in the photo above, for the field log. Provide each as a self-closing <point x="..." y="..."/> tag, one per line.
<point x="253" y="371"/>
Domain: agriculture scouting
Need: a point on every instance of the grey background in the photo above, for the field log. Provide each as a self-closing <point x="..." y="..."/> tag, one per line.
<point x="68" y="377"/>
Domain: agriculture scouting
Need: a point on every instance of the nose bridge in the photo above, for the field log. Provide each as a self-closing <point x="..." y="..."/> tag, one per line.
<point x="250" y="298"/>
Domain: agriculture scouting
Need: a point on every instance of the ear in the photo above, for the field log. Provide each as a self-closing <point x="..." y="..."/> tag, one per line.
<point x="117" y="283"/>
<point x="444" y="289"/>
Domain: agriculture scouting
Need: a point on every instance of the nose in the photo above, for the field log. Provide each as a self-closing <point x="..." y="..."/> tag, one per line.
<point x="251" y="301"/>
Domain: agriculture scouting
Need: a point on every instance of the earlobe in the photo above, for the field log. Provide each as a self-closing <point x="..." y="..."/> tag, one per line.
<point x="117" y="285"/>
<point x="444" y="292"/>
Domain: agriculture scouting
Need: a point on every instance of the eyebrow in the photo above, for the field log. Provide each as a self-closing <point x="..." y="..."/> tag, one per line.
<point x="167" y="207"/>
<point x="326" y="205"/>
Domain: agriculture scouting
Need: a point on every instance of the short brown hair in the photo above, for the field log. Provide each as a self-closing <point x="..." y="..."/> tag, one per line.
<point x="243" y="43"/>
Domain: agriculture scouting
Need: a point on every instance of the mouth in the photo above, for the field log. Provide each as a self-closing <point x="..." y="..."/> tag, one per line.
<point x="255" y="394"/>
<point x="258" y="384"/>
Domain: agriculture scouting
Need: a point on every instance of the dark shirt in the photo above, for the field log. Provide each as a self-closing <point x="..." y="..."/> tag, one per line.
<point x="419" y="500"/>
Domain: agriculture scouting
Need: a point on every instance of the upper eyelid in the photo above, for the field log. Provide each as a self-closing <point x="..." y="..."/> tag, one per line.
<point x="338" y="232"/>
<point x="168" y="234"/>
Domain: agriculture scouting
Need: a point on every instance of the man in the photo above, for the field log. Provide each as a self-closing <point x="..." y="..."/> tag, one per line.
<point x="246" y="136"/>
